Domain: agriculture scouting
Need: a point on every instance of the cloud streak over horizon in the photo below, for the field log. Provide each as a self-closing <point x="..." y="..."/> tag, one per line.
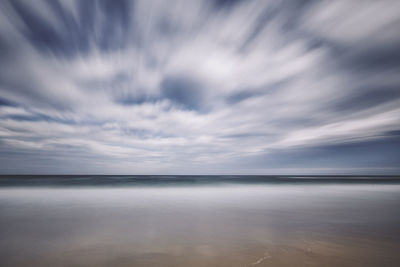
<point x="200" y="87"/>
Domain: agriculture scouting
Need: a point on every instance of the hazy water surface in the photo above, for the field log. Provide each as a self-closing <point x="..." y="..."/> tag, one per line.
<point x="200" y="224"/>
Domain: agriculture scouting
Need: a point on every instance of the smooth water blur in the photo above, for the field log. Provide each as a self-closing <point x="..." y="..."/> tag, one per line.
<point x="211" y="225"/>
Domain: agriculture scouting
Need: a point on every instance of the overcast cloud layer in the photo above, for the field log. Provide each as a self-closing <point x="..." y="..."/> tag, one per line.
<point x="200" y="87"/>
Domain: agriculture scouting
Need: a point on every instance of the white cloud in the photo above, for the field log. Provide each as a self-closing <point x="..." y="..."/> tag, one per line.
<point x="287" y="87"/>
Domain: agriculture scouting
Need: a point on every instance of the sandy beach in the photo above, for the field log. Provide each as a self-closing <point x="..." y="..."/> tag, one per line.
<point x="241" y="225"/>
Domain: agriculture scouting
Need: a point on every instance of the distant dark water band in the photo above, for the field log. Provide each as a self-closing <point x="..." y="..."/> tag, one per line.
<point x="183" y="180"/>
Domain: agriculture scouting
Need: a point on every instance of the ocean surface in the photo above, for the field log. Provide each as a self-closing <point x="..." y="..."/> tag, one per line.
<point x="199" y="221"/>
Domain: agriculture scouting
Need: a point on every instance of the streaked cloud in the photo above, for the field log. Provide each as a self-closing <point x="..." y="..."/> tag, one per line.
<point x="199" y="86"/>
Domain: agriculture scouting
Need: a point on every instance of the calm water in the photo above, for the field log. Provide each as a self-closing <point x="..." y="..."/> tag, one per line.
<point x="199" y="221"/>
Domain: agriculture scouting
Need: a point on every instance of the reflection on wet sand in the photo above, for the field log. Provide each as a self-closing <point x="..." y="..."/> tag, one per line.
<point x="259" y="225"/>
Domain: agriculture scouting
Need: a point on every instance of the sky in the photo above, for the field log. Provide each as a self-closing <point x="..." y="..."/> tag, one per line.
<point x="200" y="87"/>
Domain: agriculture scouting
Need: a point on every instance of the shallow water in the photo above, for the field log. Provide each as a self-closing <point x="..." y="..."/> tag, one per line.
<point x="227" y="224"/>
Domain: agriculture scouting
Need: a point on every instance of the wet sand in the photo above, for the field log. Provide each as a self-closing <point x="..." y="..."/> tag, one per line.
<point x="240" y="225"/>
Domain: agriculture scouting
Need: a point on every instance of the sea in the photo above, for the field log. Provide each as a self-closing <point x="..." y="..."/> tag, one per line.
<point x="188" y="220"/>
